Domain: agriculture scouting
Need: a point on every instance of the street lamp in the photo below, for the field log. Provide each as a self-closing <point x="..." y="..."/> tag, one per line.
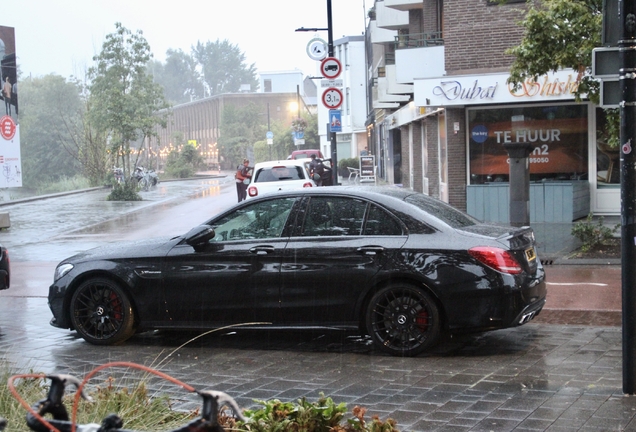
<point x="332" y="135"/>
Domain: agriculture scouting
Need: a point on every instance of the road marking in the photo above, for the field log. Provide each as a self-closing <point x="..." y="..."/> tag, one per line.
<point x="576" y="283"/>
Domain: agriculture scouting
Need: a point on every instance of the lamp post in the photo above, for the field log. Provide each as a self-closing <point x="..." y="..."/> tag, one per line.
<point x="332" y="135"/>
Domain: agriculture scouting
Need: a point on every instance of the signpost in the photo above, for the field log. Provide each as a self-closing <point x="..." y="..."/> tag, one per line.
<point x="317" y="49"/>
<point x="618" y="63"/>
<point x="332" y="98"/>
<point x="335" y="121"/>
<point x="331" y="67"/>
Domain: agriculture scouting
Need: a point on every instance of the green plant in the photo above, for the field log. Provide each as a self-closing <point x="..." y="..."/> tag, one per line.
<point x="124" y="192"/>
<point x="592" y="234"/>
<point x="347" y="162"/>
<point x="133" y="403"/>
<point x="324" y="415"/>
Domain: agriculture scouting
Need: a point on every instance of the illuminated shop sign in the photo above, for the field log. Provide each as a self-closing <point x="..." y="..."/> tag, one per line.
<point x="493" y="88"/>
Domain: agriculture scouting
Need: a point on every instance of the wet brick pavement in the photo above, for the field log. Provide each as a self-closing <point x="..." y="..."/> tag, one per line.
<point x="536" y="377"/>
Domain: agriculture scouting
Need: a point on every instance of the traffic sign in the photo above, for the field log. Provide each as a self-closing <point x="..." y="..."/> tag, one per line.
<point x="332" y="98"/>
<point x="330" y="67"/>
<point x="335" y="121"/>
<point x="317" y="49"/>
<point x="7" y="127"/>
<point x="331" y="83"/>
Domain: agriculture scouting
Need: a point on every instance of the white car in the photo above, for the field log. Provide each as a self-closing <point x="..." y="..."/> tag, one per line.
<point x="279" y="175"/>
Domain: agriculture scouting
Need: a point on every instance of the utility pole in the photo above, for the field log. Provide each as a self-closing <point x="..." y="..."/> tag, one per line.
<point x="332" y="135"/>
<point x="330" y="51"/>
<point x="269" y="128"/>
<point x="627" y="79"/>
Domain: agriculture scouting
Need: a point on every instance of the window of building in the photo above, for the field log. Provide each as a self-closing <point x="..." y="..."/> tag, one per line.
<point x="267" y="86"/>
<point x="558" y="134"/>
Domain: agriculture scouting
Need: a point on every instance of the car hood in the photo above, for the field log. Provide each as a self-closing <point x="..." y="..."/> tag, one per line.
<point x="156" y="247"/>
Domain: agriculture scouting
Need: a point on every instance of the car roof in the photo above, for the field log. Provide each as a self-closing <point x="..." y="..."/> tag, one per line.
<point x="283" y="162"/>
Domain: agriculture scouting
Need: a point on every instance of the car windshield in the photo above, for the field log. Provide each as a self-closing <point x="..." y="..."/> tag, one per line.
<point x="279" y="173"/>
<point x="442" y="211"/>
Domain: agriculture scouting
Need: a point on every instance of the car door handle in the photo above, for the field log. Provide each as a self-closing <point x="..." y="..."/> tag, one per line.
<point x="371" y="250"/>
<point x="262" y="250"/>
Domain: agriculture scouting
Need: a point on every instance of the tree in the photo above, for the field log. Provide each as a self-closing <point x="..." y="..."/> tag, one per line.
<point x="178" y="76"/>
<point x="241" y="127"/>
<point x="559" y="34"/>
<point x="124" y="98"/>
<point x="51" y="108"/>
<point x="223" y="66"/>
<point x="184" y="163"/>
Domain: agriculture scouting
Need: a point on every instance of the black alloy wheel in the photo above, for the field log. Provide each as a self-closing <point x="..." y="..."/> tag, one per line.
<point x="403" y="320"/>
<point x="101" y="312"/>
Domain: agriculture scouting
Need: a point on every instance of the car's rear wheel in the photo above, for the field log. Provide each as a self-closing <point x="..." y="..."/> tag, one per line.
<point x="403" y="320"/>
<point x="101" y="312"/>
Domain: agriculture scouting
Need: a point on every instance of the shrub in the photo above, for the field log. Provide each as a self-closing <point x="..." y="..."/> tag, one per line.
<point x="321" y="416"/>
<point x="344" y="163"/>
<point x="126" y="191"/>
<point x="591" y="234"/>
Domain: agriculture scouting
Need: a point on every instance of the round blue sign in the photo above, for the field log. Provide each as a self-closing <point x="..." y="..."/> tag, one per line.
<point x="479" y="134"/>
<point x="269" y="135"/>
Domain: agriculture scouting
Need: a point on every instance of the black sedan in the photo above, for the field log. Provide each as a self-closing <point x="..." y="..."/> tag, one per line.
<point x="397" y="265"/>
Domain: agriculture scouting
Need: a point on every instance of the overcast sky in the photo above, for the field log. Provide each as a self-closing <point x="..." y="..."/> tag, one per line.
<point x="61" y="36"/>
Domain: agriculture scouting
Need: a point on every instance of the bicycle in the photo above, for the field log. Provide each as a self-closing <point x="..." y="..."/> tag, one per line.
<point x="212" y="405"/>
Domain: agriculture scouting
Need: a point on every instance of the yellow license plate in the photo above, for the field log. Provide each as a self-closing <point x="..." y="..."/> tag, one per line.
<point x="531" y="254"/>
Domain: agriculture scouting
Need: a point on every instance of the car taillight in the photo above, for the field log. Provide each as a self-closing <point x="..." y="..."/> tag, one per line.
<point x="252" y="191"/>
<point x="308" y="184"/>
<point x="496" y="258"/>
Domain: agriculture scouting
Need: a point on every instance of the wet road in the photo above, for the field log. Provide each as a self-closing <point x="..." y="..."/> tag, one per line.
<point x="44" y="232"/>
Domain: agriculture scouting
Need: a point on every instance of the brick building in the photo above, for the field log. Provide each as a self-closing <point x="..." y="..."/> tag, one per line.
<point x="441" y="110"/>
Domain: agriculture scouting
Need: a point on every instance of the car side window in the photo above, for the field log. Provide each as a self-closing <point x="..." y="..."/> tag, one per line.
<point x="334" y="216"/>
<point x="381" y="223"/>
<point x="265" y="219"/>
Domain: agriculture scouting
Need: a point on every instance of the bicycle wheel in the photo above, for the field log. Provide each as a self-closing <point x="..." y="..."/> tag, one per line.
<point x="144" y="184"/>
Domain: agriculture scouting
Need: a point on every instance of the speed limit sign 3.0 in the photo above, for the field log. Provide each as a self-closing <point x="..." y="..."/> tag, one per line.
<point x="332" y="98"/>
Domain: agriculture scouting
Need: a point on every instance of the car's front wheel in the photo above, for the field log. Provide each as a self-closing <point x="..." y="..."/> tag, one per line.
<point x="403" y="320"/>
<point x="101" y="312"/>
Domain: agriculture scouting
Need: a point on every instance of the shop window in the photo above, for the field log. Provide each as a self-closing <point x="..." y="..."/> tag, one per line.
<point x="558" y="134"/>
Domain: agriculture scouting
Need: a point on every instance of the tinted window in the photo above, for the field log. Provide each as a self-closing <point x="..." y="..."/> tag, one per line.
<point x="379" y="223"/>
<point x="442" y="211"/>
<point x="330" y="216"/>
<point x="260" y="220"/>
<point x="279" y="173"/>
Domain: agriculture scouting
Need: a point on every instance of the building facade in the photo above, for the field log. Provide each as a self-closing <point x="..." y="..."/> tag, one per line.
<point x="441" y="111"/>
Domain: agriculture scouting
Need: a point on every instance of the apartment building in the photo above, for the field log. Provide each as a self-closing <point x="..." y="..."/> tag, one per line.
<point x="441" y="111"/>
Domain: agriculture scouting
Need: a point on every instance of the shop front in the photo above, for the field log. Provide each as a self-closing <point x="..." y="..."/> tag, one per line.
<point x="569" y="176"/>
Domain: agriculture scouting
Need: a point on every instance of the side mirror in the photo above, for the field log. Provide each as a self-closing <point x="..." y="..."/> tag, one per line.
<point x="199" y="236"/>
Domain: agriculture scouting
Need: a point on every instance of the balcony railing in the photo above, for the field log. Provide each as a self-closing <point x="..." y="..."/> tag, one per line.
<point x="418" y="40"/>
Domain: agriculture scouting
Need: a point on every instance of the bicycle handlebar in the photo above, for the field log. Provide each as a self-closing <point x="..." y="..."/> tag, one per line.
<point x="52" y="405"/>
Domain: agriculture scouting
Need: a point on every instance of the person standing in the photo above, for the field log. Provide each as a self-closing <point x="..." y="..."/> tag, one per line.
<point x="316" y="167"/>
<point x="243" y="173"/>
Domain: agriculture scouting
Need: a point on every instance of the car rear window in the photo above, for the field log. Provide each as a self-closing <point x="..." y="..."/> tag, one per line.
<point x="279" y="173"/>
<point x="442" y="211"/>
